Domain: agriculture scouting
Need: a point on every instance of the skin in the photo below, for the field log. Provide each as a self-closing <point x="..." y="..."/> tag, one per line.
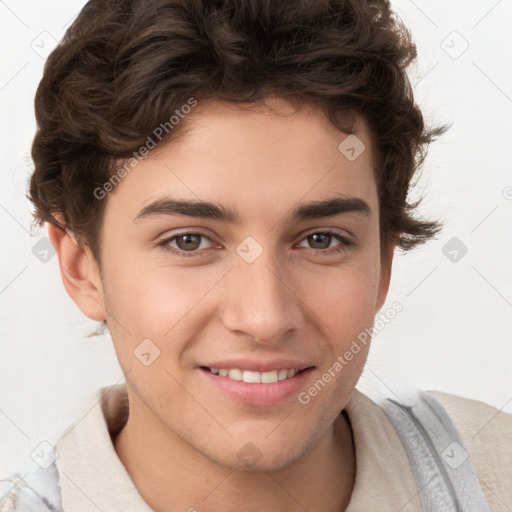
<point x="181" y="441"/>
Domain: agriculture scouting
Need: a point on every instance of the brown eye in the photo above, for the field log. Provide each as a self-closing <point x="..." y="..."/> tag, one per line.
<point x="320" y="240"/>
<point x="186" y="244"/>
<point x="189" y="242"/>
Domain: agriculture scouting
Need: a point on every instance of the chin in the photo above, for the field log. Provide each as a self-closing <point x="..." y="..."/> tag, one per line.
<point x="261" y="455"/>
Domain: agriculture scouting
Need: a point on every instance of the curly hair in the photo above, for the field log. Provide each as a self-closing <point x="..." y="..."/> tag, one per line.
<point x="125" y="66"/>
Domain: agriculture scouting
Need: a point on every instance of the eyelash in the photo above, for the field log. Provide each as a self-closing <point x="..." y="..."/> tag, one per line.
<point x="338" y="249"/>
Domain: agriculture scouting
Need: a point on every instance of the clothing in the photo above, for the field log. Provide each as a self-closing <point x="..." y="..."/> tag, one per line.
<point x="92" y="477"/>
<point x="445" y="477"/>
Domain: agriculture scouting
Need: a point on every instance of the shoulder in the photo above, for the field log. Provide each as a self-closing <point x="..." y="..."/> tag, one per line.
<point x="487" y="435"/>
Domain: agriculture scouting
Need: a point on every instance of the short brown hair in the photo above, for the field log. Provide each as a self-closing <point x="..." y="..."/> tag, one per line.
<point x="125" y="66"/>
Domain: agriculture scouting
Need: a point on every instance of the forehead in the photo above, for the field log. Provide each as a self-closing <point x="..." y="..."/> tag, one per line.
<point x="252" y="157"/>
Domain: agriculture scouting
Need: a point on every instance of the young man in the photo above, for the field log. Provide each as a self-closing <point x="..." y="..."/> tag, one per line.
<point x="225" y="184"/>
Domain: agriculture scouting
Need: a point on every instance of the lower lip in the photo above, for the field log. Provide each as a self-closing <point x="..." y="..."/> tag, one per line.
<point x="258" y="393"/>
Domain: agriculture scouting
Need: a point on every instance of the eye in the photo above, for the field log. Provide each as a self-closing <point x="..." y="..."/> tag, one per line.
<point x="191" y="243"/>
<point x="321" y="241"/>
<point x="186" y="243"/>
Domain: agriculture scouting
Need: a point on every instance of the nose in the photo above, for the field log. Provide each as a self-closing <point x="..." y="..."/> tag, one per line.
<point x="260" y="300"/>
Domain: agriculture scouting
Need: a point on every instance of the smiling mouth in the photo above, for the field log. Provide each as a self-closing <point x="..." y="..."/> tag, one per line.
<point x="255" y="377"/>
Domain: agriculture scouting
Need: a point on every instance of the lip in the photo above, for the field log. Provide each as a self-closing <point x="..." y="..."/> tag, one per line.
<point x="257" y="393"/>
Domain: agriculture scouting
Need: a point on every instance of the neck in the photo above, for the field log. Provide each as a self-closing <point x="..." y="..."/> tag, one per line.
<point x="171" y="475"/>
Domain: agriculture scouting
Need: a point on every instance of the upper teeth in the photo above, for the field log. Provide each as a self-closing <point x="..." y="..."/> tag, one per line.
<point x="252" y="376"/>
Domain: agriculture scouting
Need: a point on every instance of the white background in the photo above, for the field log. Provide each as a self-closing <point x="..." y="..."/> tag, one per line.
<point x="455" y="331"/>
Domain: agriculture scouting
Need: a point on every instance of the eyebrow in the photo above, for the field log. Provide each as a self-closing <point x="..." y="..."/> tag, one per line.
<point x="209" y="210"/>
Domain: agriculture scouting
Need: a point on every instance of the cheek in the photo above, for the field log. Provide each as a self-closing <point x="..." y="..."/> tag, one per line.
<point x="159" y="304"/>
<point x="344" y="299"/>
<point x="154" y="296"/>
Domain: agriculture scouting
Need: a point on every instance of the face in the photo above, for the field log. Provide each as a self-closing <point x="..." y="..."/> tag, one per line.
<point x="261" y="284"/>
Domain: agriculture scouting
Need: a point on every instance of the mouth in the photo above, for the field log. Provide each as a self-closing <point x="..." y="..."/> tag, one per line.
<point x="252" y="387"/>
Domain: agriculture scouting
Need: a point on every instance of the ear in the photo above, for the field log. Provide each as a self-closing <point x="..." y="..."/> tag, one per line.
<point x="79" y="271"/>
<point x="385" y="276"/>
